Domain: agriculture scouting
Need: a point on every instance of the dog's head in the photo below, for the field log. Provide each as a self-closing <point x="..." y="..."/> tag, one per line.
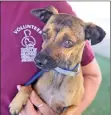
<point x="64" y="38"/>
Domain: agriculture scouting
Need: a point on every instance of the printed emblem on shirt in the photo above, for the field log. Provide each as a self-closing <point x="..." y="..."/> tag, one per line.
<point x="28" y="42"/>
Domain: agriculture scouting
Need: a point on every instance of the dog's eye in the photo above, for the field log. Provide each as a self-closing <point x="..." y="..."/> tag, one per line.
<point x="44" y="36"/>
<point x="68" y="44"/>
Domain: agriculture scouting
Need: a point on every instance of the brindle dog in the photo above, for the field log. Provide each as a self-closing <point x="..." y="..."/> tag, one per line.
<point x="64" y="38"/>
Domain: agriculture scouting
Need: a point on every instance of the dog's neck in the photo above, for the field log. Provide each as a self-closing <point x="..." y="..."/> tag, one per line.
<point x="70" y="67"/>
<point x="69" y="72"/>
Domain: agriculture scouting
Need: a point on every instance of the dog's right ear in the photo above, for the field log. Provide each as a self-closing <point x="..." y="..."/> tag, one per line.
<point x="94" y="33"/>
<point x="44" y="13"/>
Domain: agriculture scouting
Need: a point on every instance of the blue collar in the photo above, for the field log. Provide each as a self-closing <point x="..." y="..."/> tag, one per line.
<point x="60" y="70"/>
<point x="71" y="72"/>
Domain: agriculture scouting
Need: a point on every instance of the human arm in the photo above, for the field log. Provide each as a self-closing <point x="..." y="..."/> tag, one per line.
<point x="92" y="80"/>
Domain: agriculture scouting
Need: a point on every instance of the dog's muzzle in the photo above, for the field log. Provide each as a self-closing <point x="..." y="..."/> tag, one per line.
<point x="44" y="61"/>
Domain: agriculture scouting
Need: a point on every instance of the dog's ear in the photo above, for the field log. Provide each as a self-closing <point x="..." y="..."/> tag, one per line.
<point x="45" y="13"/>
<point x="94" y="33"/>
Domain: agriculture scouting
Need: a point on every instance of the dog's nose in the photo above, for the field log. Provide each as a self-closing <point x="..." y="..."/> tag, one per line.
<point x="44" y="61"/>
<point x="40" y="62"/>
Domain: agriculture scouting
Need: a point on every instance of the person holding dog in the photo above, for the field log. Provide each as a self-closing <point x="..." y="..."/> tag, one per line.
<point x="21" y="35"/>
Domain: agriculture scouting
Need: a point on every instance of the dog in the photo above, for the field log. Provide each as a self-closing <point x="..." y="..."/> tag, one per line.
<point x="61" y="86"/>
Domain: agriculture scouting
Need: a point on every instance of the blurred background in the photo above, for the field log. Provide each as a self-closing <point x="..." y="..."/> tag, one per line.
<point x="98" y="13"/>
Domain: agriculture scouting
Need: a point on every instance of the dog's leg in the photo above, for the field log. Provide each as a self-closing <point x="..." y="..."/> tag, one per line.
<point x="20" y="100"/>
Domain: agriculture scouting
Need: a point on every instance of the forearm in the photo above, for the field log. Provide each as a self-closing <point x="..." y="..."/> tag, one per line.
<point x="91" y="86"/>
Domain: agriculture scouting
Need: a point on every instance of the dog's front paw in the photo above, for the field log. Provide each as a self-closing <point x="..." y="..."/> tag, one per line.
<point x="17" y="103"/>
<point x="20" y="100"/>
<point x="15" y="108"/>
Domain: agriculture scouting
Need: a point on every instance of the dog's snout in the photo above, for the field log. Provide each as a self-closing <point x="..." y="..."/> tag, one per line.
<point x="41" y="62"/>
<point x="44" y="61"/>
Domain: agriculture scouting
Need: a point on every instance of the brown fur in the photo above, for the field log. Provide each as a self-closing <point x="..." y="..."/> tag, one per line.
<point x="56" y="89"/>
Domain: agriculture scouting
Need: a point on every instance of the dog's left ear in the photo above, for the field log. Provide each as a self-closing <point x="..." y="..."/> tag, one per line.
<point x="44" y="13"/>
<point x="94" y="33"/>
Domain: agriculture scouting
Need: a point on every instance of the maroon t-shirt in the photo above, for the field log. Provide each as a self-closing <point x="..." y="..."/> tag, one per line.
<point x="18" y="26"/>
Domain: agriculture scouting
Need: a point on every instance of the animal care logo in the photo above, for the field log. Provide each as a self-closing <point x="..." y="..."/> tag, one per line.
<point x="28" y="50"/>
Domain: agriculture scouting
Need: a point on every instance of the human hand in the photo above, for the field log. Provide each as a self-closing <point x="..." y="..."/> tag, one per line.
<point x="43" y="108"/>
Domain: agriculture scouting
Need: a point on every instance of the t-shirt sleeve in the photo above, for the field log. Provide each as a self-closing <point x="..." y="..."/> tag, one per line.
<point x="66" y="8"/>
<point x="88" y="54"/>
